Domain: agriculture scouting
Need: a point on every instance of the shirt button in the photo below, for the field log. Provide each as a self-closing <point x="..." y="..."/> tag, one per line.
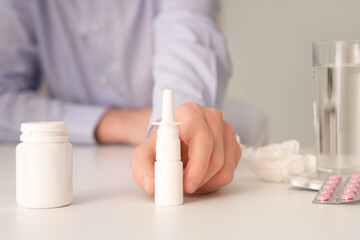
<point x="103" y="80"/>
<point x="95" y="27"/>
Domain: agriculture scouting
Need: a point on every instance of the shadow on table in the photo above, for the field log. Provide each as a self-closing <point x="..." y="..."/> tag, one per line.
<point x="94" y="197"/>
<point x="109" y="195"/>
<point x="223" y="193"/>
<point x="234" y="190"/>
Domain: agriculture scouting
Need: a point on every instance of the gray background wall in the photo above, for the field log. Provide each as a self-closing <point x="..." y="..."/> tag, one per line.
<point x="270" y="47"/>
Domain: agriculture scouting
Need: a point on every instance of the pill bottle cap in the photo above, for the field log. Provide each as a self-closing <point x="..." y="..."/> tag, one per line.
<point x="44" y="132"/>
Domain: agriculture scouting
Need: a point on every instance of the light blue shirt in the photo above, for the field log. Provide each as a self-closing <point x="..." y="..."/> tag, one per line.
<point x="94" y="55"/>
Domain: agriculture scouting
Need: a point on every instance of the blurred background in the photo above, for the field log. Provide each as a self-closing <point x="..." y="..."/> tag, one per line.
<point x="270" y="47"/>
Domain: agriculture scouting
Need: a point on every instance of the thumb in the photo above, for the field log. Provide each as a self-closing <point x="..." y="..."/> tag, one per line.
<point x="142" y="163"/>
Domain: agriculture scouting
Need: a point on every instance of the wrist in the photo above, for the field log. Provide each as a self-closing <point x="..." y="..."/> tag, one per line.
<point x="123" y="126"/>
<point x="106" y="130"/>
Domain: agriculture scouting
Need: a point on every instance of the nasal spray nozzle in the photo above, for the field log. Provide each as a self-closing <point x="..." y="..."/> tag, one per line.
<point x="168" y="165"/>
<point x="168" y="113"/>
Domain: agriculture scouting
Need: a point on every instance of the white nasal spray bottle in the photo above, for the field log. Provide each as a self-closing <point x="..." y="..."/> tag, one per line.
<point x="168" y="165"/>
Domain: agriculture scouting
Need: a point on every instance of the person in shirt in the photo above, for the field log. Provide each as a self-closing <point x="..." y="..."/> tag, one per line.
<point x="104" y="65"/>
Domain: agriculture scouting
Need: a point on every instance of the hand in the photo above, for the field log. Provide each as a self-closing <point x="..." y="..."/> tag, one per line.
<point x="209" y="151"/>
<point x="122" y="125"/>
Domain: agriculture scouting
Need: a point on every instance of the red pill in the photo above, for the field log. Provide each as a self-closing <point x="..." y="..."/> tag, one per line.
<point x="355" y="176"/>
<point x="352" y="185"/>
<point x="329" y="186"/>
<point x="327" y="191"/>
<point x="332" y="182"/>
<point x="335" y="177"/>
<point x="347" y="196"/>
<point x="354" y="180"/>
<point x="323" y="197"/>
<point x="350" y="190"/>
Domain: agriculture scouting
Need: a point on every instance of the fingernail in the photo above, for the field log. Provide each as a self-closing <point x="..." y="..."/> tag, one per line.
<point x="191" y="186"/>
<point x="146" y="183"/>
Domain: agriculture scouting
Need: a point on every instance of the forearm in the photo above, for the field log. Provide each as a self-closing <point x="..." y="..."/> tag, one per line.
<point x="24" y="106"/>
<point x="190" y="54"/>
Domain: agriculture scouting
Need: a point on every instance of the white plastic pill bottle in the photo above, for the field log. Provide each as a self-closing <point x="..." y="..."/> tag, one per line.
<point x="44" y="166"/>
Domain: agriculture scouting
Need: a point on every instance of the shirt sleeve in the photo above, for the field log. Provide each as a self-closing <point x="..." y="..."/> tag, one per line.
<point x="190" y="54"/>
<point x="20" y="79"/>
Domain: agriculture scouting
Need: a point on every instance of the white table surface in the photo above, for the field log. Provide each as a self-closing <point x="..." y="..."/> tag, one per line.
<point x="109" y="205"/>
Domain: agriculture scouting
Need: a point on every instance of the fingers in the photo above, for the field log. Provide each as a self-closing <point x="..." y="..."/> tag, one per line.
<point x="196" y="134"/>
<point x="199" y="152"/>
<point x="226" y="174"/>
<point x="238" y="152"/>
<point x="214" y="120"/>
<point x="212" y="150"/>
<point x="184" y="153"/>
<point x="142" y="163"/>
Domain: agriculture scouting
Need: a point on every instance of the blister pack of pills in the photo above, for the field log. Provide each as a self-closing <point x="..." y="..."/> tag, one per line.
<point x="339" y="189"/>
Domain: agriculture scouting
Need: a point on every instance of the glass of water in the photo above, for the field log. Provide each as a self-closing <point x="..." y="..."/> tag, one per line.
<point x="336" y="71"/>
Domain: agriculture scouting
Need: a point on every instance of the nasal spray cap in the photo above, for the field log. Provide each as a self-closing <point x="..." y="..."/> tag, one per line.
<point x="168" y="165"/>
